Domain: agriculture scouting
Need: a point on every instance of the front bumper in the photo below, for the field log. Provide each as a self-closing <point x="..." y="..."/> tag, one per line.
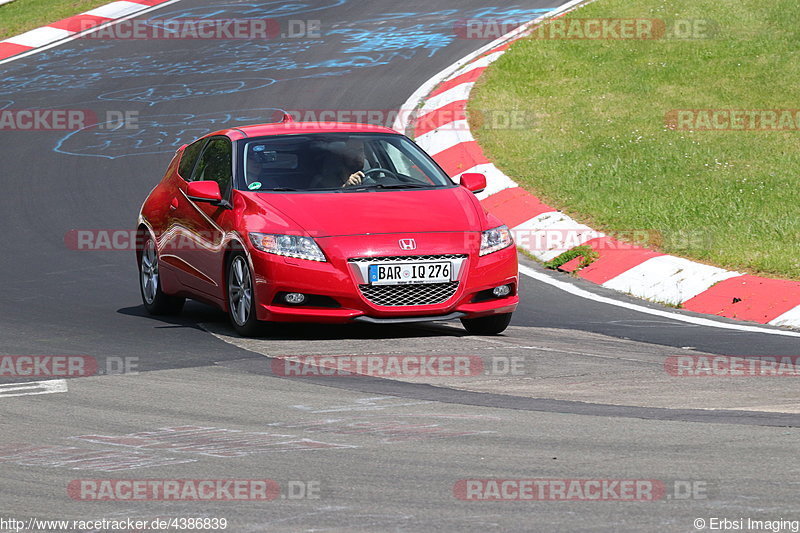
<point x="339" y="284"/>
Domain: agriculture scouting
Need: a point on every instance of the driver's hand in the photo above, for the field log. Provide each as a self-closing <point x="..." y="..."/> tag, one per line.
<point x="354" y="179"/>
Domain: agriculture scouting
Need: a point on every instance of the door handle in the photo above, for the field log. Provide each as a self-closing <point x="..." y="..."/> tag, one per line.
<point x="174" y="204"/>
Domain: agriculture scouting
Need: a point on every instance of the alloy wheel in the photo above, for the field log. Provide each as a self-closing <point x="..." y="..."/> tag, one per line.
<point x="240" y="290"/>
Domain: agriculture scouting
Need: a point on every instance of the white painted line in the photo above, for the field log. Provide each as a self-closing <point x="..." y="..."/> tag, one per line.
<point x="444" y="137"/>
<point x="494" y="175"/>
<point x="581" y="293"/>
<point x="457" y="93"/>
<point x="401" y="123"/>
<point x="482" y="62"/>
<point x="5" y="2"/>
<point x="669" y="279"/>
<point x="39" y="37"/>
<point x="789" y="318"/>
<point x="31" y="388"/>
<point x="550" y="234"/>
<point x="81" y="34"/>
<point x="698" y="277"/>
<point x="116" y="9"/>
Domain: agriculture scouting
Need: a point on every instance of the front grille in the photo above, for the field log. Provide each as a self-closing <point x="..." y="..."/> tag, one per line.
<point x="402" y="295"/>
<point x="407" y="258"/>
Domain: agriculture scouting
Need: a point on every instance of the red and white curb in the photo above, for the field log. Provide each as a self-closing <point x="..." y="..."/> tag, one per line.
<point x="73" y="27"/>
<point x="440" y="127"/>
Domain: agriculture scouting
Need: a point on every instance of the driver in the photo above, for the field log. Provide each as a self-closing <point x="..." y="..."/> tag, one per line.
<point x="340" y="168"/>
<point x="253" y="169"/>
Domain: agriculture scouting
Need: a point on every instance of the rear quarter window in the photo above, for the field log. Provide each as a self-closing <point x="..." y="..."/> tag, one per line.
<point x="189" y="158"/>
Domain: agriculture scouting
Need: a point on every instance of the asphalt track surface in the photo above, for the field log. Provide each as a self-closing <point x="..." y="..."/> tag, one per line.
<point x="595" y="401"/>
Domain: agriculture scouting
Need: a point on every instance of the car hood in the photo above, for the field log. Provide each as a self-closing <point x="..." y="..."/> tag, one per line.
<point x="360" y="213"/>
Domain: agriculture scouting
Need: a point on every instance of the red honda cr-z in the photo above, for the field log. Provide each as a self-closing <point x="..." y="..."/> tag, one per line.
<point x="313" y="222"/>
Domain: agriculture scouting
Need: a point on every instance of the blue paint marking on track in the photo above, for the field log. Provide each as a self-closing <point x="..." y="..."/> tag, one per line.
<point x="367" y="43"/>
<point x="391" y="39"/>
<point x="155" y="94"/>
<point x="58" y="72"/>
<point x="154" y="134"/>
<point x="260" y="10"/>
<point x="450" y="16"/>
<point x="429" y="36"/>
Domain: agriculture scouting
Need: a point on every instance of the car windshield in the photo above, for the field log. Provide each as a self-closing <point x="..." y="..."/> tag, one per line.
<point x="340" y="162"/>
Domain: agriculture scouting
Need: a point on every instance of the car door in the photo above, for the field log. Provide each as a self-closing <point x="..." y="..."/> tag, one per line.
<point x="203" y="224"/>
<point x="173" y="236"/>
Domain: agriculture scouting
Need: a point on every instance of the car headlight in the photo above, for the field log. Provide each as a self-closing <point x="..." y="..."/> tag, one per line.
<point x="288" y="245"/>
<point x="495" y="239"/>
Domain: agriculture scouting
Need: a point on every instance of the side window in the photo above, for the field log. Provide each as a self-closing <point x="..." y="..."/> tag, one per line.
<point x="189" y="158"/>
<point x="402" y="163"/>
<point x="216" y="164"/>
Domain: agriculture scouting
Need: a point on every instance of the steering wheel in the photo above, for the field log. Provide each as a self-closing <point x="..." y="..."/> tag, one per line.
<point x="384" y="170"/>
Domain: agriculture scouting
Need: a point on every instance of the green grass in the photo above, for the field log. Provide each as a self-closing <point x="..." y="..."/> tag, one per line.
<point x="586" y="253"/>
<point x="23" y="15"/>
<point x="599" y="148"/>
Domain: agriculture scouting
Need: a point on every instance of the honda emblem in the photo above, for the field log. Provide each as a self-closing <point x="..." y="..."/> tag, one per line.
<point x="408" y="244"/>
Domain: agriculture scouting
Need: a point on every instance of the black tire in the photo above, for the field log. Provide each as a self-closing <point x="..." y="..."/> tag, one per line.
<point x="241" y="297"/>
<point x="156" y="302"/>
<point x="487" y="325"/>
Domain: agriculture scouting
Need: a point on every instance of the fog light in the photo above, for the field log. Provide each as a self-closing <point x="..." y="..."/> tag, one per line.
<point x="502" y="290"/>
<point x="297" y="298"/>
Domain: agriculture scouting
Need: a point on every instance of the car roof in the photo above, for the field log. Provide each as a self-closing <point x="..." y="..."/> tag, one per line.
<point x="291" y="128"/>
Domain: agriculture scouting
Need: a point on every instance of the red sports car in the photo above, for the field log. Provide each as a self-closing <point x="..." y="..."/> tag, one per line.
<point x="315" y="222"/>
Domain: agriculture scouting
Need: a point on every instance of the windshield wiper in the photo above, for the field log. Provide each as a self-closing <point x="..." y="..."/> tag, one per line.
<point x="290" y="189"/>
<point x="388" y="186"/>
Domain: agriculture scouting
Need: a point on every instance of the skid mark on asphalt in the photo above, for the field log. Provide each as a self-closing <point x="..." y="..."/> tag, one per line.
<point x="419" y="340"/>
<point x="211" y="441"/>
<point x="376" y="403"/>
<point x="348" y="519"/>
<point x="387" y="429"/>
<point x="558" y="365"/>
<point x="141" y="450"/>
<point x="225" y="443"/>
<point x="55" y="456"/>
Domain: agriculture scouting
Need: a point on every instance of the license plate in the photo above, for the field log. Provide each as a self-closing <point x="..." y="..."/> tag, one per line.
<point x="409" y="273"/>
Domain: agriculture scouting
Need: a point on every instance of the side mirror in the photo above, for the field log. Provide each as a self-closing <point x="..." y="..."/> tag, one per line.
<point x="473" y="181"/>
<point x="205" y="191"/>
